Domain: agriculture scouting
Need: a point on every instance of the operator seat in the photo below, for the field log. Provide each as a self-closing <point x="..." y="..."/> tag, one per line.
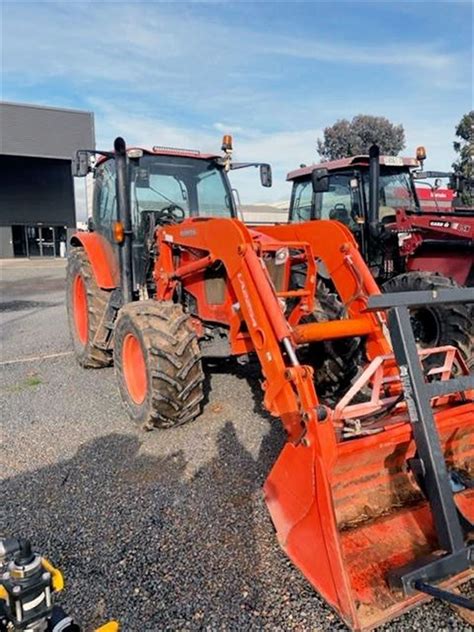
<point x="387" y="214"/>
<point x="341" y="214"/>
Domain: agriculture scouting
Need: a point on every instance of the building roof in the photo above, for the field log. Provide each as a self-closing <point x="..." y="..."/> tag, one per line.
<point x="353" y="161"/>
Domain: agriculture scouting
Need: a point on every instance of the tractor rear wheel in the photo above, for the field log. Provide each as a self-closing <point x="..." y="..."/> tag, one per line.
<point x="86" y="307"/>
<point x="440" y="325"/>
<point x="158" y="364"/>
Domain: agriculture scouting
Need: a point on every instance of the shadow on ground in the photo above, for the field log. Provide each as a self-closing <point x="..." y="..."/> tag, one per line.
<point x="20" y="306"/>
<point x="149" y="547"/>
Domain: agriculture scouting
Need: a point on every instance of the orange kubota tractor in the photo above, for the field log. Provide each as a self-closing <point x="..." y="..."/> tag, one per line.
<point x="372" y="496"/>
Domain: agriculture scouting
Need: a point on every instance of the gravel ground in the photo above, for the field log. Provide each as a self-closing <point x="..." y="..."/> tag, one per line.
<point x="163" y="530"/>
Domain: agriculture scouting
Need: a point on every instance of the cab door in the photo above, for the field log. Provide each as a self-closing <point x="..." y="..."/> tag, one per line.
<point x="104" y="207"/>
<point x="105" y="202"/>
<point x="302" y="201"/>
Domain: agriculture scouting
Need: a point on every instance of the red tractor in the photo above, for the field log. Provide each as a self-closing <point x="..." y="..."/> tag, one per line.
<point x="406" y="247"/>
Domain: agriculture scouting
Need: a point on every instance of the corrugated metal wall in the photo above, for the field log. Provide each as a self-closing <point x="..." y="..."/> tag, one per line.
<point x="34" y="190"/>
<point x="37" y="145"/>
<point x="30" y="130"/>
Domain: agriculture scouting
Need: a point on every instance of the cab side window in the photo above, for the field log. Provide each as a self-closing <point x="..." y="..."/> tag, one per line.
<point x="209" y="194"/>
<point x="302" y="201"/>
<point x="105" y="204"/>
<point x="341" y="202"/>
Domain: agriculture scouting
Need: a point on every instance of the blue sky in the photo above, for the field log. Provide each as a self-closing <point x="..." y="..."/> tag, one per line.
<point x="272" y="73"/>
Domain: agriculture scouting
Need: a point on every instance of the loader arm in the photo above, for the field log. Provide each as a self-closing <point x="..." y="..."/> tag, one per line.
<point x="289" y="388"/>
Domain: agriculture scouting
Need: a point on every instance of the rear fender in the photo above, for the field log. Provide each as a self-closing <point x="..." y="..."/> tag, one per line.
<point x="454" y="265"/>
<point x="102" y="258"/>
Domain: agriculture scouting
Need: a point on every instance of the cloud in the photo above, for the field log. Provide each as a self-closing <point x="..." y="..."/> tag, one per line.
<point x="283" y="149"/>
<point x="181" y="62"/>
<point x="225" y="127"/>
<point x="182" y="74"/>
<point x="413" y="56"/>
<point x="150" y="47"/>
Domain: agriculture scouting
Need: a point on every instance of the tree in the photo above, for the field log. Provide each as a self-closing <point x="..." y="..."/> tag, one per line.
<point x="464" y="147"/>
<point x="351" y="138"/>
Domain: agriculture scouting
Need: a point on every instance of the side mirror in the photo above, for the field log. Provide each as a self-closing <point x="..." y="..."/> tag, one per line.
<point x="266" y="175"/>
<point x="457" y="183"/>
<point x="90" y="224"/>
<point x="81" y="165"/>
<point x="320" y="180"/>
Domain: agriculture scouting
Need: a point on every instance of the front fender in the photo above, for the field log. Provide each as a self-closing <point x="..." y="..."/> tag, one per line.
<point x="103" y="260"/>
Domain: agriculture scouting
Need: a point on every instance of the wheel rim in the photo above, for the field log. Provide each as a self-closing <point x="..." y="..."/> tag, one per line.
<point x="81" y="316"/>
<point x="134" y="369"/>
<point x="426" y="327"/>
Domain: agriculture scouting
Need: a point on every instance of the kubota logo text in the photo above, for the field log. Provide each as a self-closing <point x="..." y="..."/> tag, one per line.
<point x="246" y="297"/>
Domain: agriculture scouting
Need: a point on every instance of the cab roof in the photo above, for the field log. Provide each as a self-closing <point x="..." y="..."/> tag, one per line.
<point x="169" y="151"/>
<point x="353" y="161"/>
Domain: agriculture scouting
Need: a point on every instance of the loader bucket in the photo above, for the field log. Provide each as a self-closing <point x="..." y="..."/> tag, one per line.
<point x="348" y="513"/>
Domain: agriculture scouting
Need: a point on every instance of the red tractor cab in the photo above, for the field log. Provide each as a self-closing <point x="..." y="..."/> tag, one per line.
<point x="406" y="246"/>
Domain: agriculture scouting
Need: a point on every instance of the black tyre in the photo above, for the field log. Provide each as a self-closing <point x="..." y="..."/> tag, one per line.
<point x="158" y="364"/>
<point x="439" y="325"/>
<point x="335" y="362"/>
<point x="86" y="306"/>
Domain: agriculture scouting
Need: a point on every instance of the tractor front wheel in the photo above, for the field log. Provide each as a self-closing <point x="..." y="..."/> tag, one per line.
<point x="86" y="306"/>
<point x="158" y="364"/>
<point x="436" y="326"/>
<point x="335" y="362"/>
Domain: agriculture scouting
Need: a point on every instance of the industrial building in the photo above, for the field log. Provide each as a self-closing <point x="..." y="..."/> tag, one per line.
<point x="37" y="205"/>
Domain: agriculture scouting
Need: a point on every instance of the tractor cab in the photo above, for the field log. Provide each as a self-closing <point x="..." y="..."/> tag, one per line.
<point x="162" y="186"/>
<point x="362" y="192"/>
<point x="339" y="189"/>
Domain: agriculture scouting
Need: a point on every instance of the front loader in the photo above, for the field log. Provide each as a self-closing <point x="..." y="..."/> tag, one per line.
<point x="372" y="496"/>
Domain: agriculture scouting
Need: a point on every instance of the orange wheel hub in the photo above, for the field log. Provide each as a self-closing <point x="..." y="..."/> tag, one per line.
<point x="134" y="369"/>
<point x="81" y="316"/>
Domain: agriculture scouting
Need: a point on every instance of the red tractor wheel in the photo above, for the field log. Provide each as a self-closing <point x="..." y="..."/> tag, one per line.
<point x="440" y="325"/>
<point x="158" y="364"/>
<point x="86" y="306"/>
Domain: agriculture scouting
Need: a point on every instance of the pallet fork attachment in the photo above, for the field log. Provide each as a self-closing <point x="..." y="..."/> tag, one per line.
<point x="371" y="519"/>
<point x="429" y="465"/>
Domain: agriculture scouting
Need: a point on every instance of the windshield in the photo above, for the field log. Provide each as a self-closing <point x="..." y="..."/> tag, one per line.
<point x="197" y="186"/>
<point x="396" y="191"/>
<point x="343" y="202"/>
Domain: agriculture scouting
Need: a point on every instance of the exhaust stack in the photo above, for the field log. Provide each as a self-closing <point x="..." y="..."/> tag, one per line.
<point x="125" y="217"/>
<point x="374" y="184"/>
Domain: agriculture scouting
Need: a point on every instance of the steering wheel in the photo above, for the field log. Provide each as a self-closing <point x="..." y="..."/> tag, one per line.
<point x="171" y="214"/>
